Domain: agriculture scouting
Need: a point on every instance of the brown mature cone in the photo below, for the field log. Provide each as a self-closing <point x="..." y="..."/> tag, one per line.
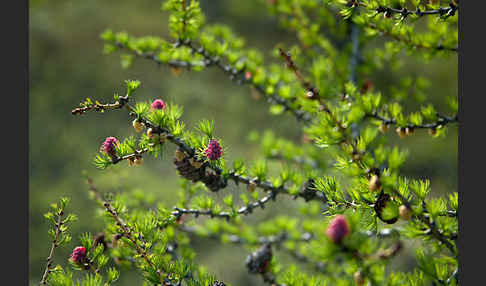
<point x="179" y="155"/>
<point x="392" y="251"/>
<point x="310" y="95"/>
<point x="163" y="138"/>
<point x="255" y="94"/>
<point x="188" y="171"/>
<point x="258" y="261"/>
<point x="153" y="135"/>
<point x="195" y="164"/>
<point x="213" y="182"/>
<point x="150" y="133"/>
<point x="175" y="70"/>
<point x="196" y="171"/>
<point x="251" y="186"/>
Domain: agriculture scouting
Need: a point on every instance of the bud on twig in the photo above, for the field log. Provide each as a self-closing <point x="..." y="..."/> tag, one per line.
<point x="138" y="126"/>
<point x="432" y="131"/>
<point x="163" y="137"/>
<point x="138" y="161"/>
<point x="251" y="186"/>
<point x="374" y="183"/>
<point x="359" y="278"/>
<point x="383" y="128"/>
<point x="400" y="131"/>
<point x="409" y="131"/>
<point x="151" y="134"/>
<point x="405" y="212"/>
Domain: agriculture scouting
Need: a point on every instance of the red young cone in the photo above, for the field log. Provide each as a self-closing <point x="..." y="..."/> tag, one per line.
<point x="214" y="150"/>
<point x="158" y="104"/>
<point x="338" y="229"/>
<point x="109" y="145"/>
<point x="78" y="255"/>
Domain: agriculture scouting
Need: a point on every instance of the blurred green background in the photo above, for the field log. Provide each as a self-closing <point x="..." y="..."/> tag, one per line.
<point x="67" y="65"/>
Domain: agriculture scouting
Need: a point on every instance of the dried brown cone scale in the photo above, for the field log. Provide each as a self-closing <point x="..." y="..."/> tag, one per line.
<point x="179" y="155"/>
<point x="196" y="164"/>
<point x="137" y="125"/>
<point x="213" y="182"/>
<point x="383" y="128"/>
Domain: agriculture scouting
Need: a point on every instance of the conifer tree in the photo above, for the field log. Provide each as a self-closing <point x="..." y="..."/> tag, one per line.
<point x="357" y="207"/>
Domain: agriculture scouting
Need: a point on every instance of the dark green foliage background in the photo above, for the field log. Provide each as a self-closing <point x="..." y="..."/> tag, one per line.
<point x="67" y="65"/>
